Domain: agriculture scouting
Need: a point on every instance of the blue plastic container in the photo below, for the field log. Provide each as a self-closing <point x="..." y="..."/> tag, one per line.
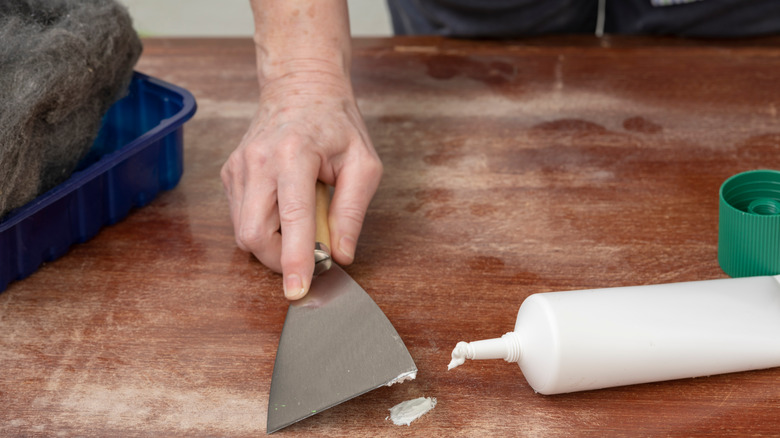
<point x="137" y="153"/>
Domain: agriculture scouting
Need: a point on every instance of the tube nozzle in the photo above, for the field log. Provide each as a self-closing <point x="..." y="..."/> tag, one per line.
<point x="506" y="347"/>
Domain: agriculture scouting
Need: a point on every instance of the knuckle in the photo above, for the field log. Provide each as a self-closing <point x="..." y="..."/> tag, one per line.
<point x="250" y="238"/>
<point x="374" y="167"/>
<point x="289" y="150"/>
<point x="353" y="213"/>
<point x="293" y="211"/>
<point x="253" y="157"/>
<point x="234" y="168"/>
<point x="295" y="260"/>
<point x="369" y="162"/>
<point x="226" y="174"/>
<point x="241" y="245"/>
<point x="259" y="244"/>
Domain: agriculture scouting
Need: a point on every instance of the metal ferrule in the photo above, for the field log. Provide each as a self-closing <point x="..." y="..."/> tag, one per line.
<point x="322" y="260"/>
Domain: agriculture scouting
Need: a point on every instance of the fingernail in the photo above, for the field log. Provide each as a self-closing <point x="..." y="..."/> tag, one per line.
<point x="347" y="247"/>
<point x="293" y="287"/>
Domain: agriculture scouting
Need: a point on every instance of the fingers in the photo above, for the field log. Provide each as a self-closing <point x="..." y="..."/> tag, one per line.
<point x="273" y="217"/>
<point x="296" y="216"/>
<point x="355" y="187"/>
<point x="258" y="225"/>
<point x="253" y="211"/>
<point x="273" y="212"/>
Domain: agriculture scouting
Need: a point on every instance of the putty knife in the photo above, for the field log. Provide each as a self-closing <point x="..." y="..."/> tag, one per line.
<point x="336" y="343"/>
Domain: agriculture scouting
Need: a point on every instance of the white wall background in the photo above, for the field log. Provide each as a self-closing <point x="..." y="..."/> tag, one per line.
<point x="234" y="17"/>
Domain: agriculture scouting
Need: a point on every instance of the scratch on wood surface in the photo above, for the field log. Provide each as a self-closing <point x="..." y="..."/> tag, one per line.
<point x="726" y="398"/>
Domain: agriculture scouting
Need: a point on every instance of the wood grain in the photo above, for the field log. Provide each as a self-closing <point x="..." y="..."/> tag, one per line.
<point x="511" y="168"/>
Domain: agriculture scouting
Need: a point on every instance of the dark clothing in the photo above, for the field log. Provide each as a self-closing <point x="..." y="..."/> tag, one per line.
<point x="516" y="18"/>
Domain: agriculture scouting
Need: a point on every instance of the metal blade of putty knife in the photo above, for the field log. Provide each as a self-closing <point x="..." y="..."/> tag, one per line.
<point x="336" y="344"/>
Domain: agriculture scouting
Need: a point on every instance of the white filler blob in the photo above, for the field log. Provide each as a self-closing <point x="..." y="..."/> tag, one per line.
<point x="405" y="412"/>
<point x="411" y="375"/>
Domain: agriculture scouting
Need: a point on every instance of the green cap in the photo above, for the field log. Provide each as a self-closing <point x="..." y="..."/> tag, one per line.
<point x="749" y="229"/>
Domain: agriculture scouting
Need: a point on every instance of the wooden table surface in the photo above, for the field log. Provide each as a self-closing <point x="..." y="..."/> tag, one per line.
<point x="511" y="168"/>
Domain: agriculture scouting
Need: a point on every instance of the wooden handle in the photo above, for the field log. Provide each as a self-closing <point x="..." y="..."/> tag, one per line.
<point x="322" y="193"/>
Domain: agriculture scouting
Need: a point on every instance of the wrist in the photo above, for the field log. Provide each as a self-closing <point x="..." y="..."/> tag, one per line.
<point x="332" y="68"/>
<point x="302" y="79"/>
<point x="301" y="35"/>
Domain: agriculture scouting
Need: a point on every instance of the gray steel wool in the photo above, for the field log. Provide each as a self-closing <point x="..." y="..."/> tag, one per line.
<point x="62" y="64"/>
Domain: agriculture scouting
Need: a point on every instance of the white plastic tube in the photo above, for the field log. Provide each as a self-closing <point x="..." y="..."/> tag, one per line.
<point x="591" y="339"/>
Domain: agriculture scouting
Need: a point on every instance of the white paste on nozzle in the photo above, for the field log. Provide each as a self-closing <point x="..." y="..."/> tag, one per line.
<point x="411" y="375"/>
<point x="458" y="355"/>
<point x="405" y="412"/>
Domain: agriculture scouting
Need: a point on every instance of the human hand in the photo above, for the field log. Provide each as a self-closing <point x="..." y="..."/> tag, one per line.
<point x="307" y="128"/>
